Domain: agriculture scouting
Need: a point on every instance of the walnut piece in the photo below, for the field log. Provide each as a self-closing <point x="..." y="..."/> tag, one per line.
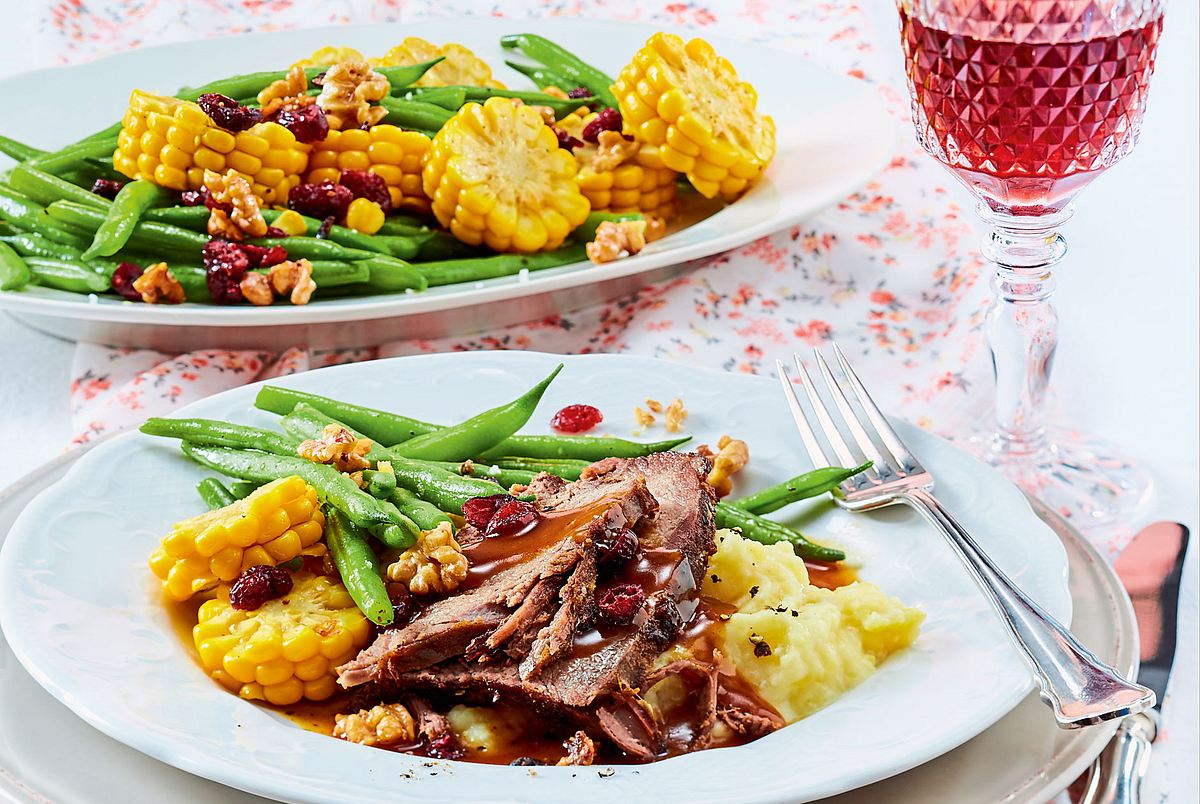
<point x="676" y="414"/>
<point x="337" y="446"/>
<point x="644" y="418"/>
<point x="731" y="458"/>
<point x="288" y="92"/>
<point x="580" y="750"/>
<point x="434" y="564"/>
<point x="612" y="150"/>
<point x="616" y="239"/>
<point x="381" y="725"/>
<point x="654" y="405"/>
<point x="159" y="286"/>
<point x="257" y="289"/>
<point x="656" y="227"/>
<point x="294" y="280"/>
<point x="346" y="94"/>
<point x="232" y="188"/>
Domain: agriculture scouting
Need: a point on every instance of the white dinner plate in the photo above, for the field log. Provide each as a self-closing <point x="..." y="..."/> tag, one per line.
<point x="832" y="136"/>
<point x="82" y="613"/>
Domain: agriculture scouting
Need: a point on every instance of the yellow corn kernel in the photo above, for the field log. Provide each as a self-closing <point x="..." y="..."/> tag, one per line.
<point x="364" y="216"/>
<point x="200" y="552"/>
<point x="391" y="153"/>
<point x="689" y="101"/>
<point x="328" y="56"/>
<point x="219" y="140"/>
<point x="459" y="65"/>
<point x="497" y="156"/>
<point x="291" y="223"/>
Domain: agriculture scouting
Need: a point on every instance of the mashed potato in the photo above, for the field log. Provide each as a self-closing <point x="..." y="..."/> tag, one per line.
<point x="800" y="645"/>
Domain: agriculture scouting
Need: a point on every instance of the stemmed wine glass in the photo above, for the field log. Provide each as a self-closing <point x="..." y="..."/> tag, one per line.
<point x="1027" y="101"/>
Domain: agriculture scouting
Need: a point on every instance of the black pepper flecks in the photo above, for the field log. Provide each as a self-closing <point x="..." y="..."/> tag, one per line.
<point x="714" y="578"/>
<point x="753" y="590"/>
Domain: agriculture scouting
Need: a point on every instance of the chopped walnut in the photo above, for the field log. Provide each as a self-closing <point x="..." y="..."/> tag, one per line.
<point x="159" y="286"/>
<point x="294" y="280"/>
<point x="232" y="188"/>
<point x="654" y="405"/>
<point x="655" y="228"/>
<point x="347" y="91"/>
<point x="580" y="750"/>
<point x="288" y="92"/>
<point x="676" y="414"/>
<point x="644" y="418"/>
<point x="612" y="151"/>
<point x="257" y="289"/>
<point x="616" y="239"/>
<point x="434" y="564"/>
<point x="731" y="457"/>
<point x="359" y="479"/>
<point x="337" y="446"/>
<point x="382" y="725"/>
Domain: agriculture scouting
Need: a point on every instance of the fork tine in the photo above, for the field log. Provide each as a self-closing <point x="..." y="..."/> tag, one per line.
<point x="891" y="440"/>
<point x="881" y="465"/>
<point x="831" y="432"/>
<point x="815" y="452"/>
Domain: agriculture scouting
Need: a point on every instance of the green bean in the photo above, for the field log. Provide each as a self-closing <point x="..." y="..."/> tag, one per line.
<point x="450" y="272"/>
<point x="14" y="273"/>
<point x="563" y="62"/>
<point x="541" y="76"/>
<point x="768" y="532"/>
<point x="193" y="218"/>
<point x="403" y="223"/>
<point x="587" y="230"/>
<point x="401" y="533"/>
<point x="445" y="489"/>
<point x="507" y="478"/>
<point x="338" y="234"/>
<point x="19" y="150"/>
<point x="45" y="188"/>
<point x="214" y="493"/>
<point x="561" y="106"/>
<point x="393" y="428"/>
<point x="159" y="238"/>
<point x="427" y="515"/>
<point x="250" y="84"/>
<point x="445" y="246"/>
<point x="447" y="97"/>
<point x="194" y="280"/>
<point x="801" y="487"/>
<point x="32" y="244"/>
<point x="241" y="489"/>
<point x="75" y="156"/>
<point x="480" y="432"/>
<point x="389" y="275"/>
<point x="379" y="484"/>
<point x="69" y="275"/>
<point x="215" y="433"/>
<point x="334" y="273"/>
<point x="123" y="215"/>
<point x="567" y="469"/>
<point x="313" y="248"/>
<point x="415" y="114"/>
<point x="76" y="238"/>
<point x="359" y="567"/>
<point x="333" y="486"/>
<point x="402" y="247"/>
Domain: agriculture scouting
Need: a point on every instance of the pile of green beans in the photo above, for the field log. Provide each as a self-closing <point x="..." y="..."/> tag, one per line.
<point x="568" y="70"/>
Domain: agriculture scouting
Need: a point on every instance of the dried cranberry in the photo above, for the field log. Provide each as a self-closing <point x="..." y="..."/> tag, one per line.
<point x="616" y="547"/>
<point x="478" y="511"/>
<point x="444" y="747"/>
<point x="365" y="184"/>
<point x="262" y="256"/>
<point x="403" y="606"/>
<point x="122" y="280"/>
<point x="107" y="188"/>
<point x="258" y="584"/>
<point x="308" y="123"/>
<point x="620" y="604"/>
<point x="607" y="119"/>
<point x="513" y="518"/>
<point x="576" y="419"/>
<point x="225" y="265"/>
<point x="565" y="140"/>
<point x="325" y="227"/>
<point x="322" y="200"/>
<point x="193" y="198"/>
<point x="228" y="113"/>
<point x="579" y="92"/>
<point x="275" y="231"/>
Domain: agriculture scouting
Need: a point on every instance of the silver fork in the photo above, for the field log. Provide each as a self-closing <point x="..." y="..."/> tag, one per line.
<point x="1080" y="688"/>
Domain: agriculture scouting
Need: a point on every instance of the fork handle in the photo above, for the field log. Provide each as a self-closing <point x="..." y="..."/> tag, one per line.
<point x="1080" y="688"/>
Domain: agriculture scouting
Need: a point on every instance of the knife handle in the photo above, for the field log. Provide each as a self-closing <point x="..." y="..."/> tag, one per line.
<point x="1117" y="775"/>
<point x="1080" y="689"/>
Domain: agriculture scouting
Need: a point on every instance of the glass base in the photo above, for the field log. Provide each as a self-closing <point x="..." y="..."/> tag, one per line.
<point x="1084" y="479"/>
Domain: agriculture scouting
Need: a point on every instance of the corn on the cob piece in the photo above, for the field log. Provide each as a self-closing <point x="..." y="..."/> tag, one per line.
<point x="286" y="650"/>
<point x="329" y="55"/>
<point x="172" y="142"/>
<point x="459" y="67"/>
<point x="497" y="176"/>
<point x="393" y="154"/>
<point x="688" y="101"/>
<point x="276" y="523"/>
<point x="640" y="184"/>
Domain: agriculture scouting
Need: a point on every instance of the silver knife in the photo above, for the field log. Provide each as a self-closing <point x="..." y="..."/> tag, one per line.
<point x="1150" y="568"/>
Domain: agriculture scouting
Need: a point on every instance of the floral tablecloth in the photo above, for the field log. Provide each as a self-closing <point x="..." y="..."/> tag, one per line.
<point x="892" y="271"/>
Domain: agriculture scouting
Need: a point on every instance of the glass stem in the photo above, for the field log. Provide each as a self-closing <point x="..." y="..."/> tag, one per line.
<point x="1021" y="323"/>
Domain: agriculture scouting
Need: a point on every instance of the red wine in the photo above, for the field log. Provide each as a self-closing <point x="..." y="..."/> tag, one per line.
<point x="1028" y="124"/>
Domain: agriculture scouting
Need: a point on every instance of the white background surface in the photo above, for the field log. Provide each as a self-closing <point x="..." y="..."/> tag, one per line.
<point x="1128" y="358"/>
